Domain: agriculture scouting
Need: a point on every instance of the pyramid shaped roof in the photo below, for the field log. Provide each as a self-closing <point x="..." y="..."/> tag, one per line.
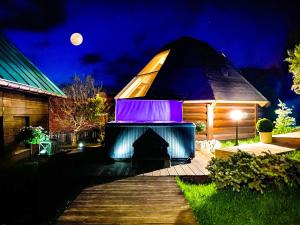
<point x="191" y="70"/>
<point x="17" y="72"/>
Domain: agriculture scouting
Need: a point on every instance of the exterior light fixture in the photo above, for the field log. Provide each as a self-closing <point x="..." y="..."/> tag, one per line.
<point x="237" y="115"/>
<point x="80" y="145"/>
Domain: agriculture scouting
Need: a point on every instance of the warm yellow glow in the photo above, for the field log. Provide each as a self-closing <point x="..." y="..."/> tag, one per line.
<point x="237" y="115"/>
<point x="76" y="39"/>
<point x="140" y="84"/>
<point x="155" y="63"/>
<point x="210" y="115"/>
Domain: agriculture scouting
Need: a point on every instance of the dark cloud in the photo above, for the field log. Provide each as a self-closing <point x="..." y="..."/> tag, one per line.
<point x="32" y="15"/>
<point x="124" y="68"/>
<point x="91" y="58"/>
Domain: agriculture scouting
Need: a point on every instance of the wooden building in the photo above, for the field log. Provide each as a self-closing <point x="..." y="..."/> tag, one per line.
<point x="24" y="94"/>
<point x="208" y="85"/>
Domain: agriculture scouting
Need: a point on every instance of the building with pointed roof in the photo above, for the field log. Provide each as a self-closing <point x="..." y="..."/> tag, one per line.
<point x="24" y="95"/>
<point x="203" y="80"/>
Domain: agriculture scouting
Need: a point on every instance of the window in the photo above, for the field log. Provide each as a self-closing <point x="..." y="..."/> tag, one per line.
<point x="139" y="85"/>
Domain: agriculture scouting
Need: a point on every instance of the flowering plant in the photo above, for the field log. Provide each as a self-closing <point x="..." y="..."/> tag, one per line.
<point x="33" y="135"/>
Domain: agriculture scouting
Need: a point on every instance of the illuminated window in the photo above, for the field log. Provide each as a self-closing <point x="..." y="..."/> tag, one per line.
<point x="139" y="85"/>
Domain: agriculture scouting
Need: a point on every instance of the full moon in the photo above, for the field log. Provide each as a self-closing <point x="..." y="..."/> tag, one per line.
<point x="76" y="39"/>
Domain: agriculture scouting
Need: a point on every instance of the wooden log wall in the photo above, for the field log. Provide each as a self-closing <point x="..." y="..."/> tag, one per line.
<point x="193" y="112"/>
<point x="17" y="109"/>
<point x="223" y="126"/>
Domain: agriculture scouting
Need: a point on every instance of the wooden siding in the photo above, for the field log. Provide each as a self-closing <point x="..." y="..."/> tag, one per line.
<point x="16" y="109"/>
<point x="193" y="112"/>
<point x="223" y="125"/>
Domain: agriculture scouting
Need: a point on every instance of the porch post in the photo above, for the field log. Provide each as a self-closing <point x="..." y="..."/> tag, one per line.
<point x="209" y="121"/>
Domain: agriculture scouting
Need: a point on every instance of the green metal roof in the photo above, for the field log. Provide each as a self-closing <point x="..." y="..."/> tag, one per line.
<point x="17" y="72"/>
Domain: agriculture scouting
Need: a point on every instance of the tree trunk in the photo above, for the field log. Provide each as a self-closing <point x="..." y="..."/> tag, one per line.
<point x="74" y="139"/>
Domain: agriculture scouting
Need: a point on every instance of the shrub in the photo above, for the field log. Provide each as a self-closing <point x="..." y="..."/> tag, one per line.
<point x="264" y="125"/>
<point x="284" y="122"/>
<point x="32" y="135"/>
<point x="200" y="126"/>
<point x="254" y="172"/>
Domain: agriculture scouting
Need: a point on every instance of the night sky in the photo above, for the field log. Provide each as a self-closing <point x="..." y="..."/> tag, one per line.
<point x="121" y="36"/>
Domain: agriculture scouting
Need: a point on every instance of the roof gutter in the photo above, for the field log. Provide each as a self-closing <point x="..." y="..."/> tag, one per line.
<point x="23" y="87"/>
<point x="260" y="103"/>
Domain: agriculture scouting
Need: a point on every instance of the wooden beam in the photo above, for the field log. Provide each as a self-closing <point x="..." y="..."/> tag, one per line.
<point x="210" y="121"/>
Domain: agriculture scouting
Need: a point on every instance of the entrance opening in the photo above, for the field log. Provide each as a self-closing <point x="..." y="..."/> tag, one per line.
<point x="150" y="152"/>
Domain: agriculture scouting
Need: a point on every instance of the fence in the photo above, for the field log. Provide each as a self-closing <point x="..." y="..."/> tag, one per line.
<point x="86" y="136"/>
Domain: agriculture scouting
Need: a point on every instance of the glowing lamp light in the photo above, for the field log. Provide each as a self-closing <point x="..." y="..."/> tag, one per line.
<point x="76" y="39"/>
<point x="80" y="145"/>
<point x="236" y="115"/>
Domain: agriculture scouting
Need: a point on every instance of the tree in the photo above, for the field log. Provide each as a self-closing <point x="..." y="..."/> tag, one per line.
<point x="284" y="122"/>
<point x="294" y="67"/>
<point x="86" y="107"/>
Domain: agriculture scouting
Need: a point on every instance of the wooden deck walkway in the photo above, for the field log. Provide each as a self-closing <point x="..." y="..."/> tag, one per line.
<point x="289" y="140"/>
<point x="256" y="148"/>
<point x="124" y="169"/>
<point x="133" y="200"/>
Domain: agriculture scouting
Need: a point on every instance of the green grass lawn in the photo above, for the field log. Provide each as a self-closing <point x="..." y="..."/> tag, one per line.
<point x="231" y="143"/>
<point x="219" y="207"/>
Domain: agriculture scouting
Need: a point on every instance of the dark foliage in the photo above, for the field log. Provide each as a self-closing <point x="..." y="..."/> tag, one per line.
<point x="254" y="172"/>
<point x="264" y="125"/>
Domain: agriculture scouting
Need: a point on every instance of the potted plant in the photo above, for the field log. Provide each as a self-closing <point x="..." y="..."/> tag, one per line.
<point x="200" y="127"/>
<point x="265" y="127"/>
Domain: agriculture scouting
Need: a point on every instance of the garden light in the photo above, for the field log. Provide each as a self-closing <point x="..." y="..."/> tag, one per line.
<point x="80" y="145"/>
<point x="237" y="115"/>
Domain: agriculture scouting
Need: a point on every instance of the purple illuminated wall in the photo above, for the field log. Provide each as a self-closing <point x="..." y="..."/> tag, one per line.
<point x="148" y="110"/>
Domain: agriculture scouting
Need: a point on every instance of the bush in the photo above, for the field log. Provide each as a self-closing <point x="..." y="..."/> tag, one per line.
<point x="200" y="126"/>
<point x="254" y="172"/>
<point x="264" y="125"/>
<point x="32" y="135"/>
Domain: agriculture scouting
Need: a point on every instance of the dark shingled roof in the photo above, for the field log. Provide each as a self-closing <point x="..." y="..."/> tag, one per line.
<point x="193" y="70"/>
<point x="17" y="72"/>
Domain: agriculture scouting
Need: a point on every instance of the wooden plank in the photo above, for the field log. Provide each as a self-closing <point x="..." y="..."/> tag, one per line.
<point x="232" y="130"/>
<point x="179" y="170"/>
<point x="235" y="104"/>
<point x="172" y="171"/>
<point x="231" y="123"/>
<point x="226" y="116"/>
<point x="195" y="169"/>
<point x="156" y="173"/>
<point x="228" y="110"/>
<point x="232" y="136"/>
<point x="187" y="169"/>
<point x="164" y="172"/>
<point x="194" y="117"/>
<point x="200" y="164"/>
<point x="149" y="201"/>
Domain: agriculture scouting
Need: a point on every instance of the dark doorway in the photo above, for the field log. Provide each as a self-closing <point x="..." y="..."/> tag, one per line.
<point x="150" y="152"/>
<point x="19" y="123"/>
